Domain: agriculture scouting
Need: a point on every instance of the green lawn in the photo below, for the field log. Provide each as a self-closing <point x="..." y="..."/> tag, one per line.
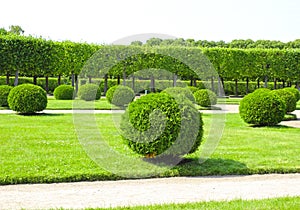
<point x="287" y="203"/>
<point x="45" y="148"/>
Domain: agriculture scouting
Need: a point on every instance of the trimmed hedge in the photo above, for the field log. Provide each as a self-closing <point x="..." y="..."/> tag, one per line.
<point x="156" y="125"/>
<point x="289" y="99"/>
<point x="180" y="93"/>
<point x="262" y="107"/>
<point x="27" y="99"/>
<point x="64" y="92"/>
<point x="120" y="95"/>
<point x="89" y="92"/>
<point x="205" y="97"/>
<point x="4" y="92"/>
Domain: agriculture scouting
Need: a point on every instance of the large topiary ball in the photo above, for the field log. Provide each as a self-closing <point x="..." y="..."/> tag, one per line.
<point x="120" y="95"/>
<point x="27" y="99"/>
<point x="205" y="97"/>
<point x="4" y="92"/>
<point x="180" y="93"/>
<point x="288" y="98"/>
<point x="89" y="92"/>
<point x="156" y="124"/>
<point x="262" y="107"/>
<point x="294" y="91"/>
<point x="64" y="92"/>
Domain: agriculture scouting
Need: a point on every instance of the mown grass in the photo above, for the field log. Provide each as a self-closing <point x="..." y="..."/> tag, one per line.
<point x="287" y="203"/>
<point x="45" y="148"/>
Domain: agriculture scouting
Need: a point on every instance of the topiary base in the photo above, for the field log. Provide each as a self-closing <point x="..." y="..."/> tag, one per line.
<point x="209" y="108"/>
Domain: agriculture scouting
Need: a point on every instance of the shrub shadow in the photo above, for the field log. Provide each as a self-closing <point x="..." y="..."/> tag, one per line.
<point x="41" y="114"/>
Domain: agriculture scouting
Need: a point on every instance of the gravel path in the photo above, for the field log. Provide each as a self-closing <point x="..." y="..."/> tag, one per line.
<point x="148" y="191"/>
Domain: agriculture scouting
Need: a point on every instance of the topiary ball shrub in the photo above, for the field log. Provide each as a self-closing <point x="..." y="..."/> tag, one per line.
<point x="205" y="97"/>
<point x="180" y="93"/>
<point x="155" y="125"/>
<point x="27" y="99"/>
<point x="262" y="108"/>
<point x="64" y="92"/>
<point x="89" y="92"/>
<point x="294" y="91"/>
<point x="288" y="98"/>
<point x="120" y="95"/>
<point x="4" y="92"/>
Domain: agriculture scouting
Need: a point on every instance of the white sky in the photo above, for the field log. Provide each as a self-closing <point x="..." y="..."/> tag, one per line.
<point x="104" y="21"/>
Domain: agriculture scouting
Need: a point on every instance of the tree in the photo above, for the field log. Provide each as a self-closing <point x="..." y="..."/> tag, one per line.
<point x="15" y="29"/>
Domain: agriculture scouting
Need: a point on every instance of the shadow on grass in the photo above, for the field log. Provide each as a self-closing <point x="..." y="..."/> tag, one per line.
<point x="193" y="167"/>
<point x="271" y="126"/>
<point x="41" y="114"/>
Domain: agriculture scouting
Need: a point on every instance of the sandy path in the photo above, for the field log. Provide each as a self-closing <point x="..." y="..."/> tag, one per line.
<point x="149" y="191"/>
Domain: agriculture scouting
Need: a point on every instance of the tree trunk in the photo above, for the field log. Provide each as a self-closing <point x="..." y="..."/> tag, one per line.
<point x="73" y="80"/>
<point x="219" y="86"/>
<point x="195" y="83"/>
<point x="174" y="80"/>
<point x="212" y="84"/>
<point x="59" y="80"/>
<point x="275" y="84"/>
<point x="16" y="78"/>
<point x="7" y="78"/>
<point x="247" y="86"/>
<point x="152" y="84"/>
<point x="266" y="82"/>
<point x="34" y="80"/>
<point x="236" y="87"/>
<point x="47" y="84"/>
<point x="258" y="83"/>
<point x="76" y="83"/>
<point x="105" y="84"/>
<point x="191" y="83"/>
<point x="283" y="84"/>
<point x="124" y="78"/>
<point x="133" y="83"/>
<point x="90" y="79"/>
<point x="297" y="85"/>
<point x="118" y="80"/>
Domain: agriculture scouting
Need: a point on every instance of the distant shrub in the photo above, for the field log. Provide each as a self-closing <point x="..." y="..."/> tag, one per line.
<point x="120" y="95"/>
<point x="27" y="99"/>
<point x="262" y="107"/>
<point x="4" y="92"/>
<point x="180" y="93"/>
<point x="289" y="99"/>
<point x="295" y="92"/>
<point x="64" y="92"/>
<point x="205" y="97"/>
<point x="156" y="124"/>
<point x="89" y="92"/>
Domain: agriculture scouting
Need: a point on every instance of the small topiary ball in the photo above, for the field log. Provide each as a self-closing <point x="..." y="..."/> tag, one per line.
<point x="180" y="93"/>
<point x="64" y="92"/>
<point x="27" y="99"/>
<point x="89" y="92"/>
<point x="156" y="124"/>
<point x="120" y="95"/>
<point x="295" y="92"/>
<point x="4" y="92"/>
<point x="262" y="107"/>
<point x="205" y="97"/>
<point x="288" y="98"/>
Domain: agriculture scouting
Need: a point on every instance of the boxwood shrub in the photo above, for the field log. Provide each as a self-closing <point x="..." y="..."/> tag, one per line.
<point x="262" y="108"/>
<point x="64" y="92"/>
<point x="294" y="91"/>
<point x="27" y="99"/>
<point x="120" y="95"/>
<point x="205" y="97"/>
<point x="180" y="93"/>
<point x="4" y="92"/>
<point x="289" y="99"/>
<point x="156" y="125"/>
<point x="89" y="92"/>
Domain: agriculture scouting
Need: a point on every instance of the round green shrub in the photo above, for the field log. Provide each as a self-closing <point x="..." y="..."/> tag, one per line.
<point x="27" y="99"/>
<point x="295" y="92"/>
<point x="262" y="107"/>
<point x="4" y="92"/>
<point x="205" y="97"/>
<point x="120" y="95"/>
<point x="156" y="124"/>
<point x="64" y="92"/>
<point x="288" y="98"/>
<point x="89" y="92"/>
<point x="180" y="93"/>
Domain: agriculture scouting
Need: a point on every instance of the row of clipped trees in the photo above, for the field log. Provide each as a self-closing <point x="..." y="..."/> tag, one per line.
<point x="36" y="57"/>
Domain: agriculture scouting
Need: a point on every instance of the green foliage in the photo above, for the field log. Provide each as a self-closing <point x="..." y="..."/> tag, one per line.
<point x="180" y="93"/>
<point x="89" y="92"/>
<point x="205" y="97"/>
<point x="120" y="95"/>
<point x="156" y="125"/>
<point x="262" y="107"/>
<point x="295" y="92"/>
<point x="64" y="92"/>
<point x="4" y="92"/>
<point x="27" y="99"/>
<point x="288" y="98"/>
<point x="193" y="89"/>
